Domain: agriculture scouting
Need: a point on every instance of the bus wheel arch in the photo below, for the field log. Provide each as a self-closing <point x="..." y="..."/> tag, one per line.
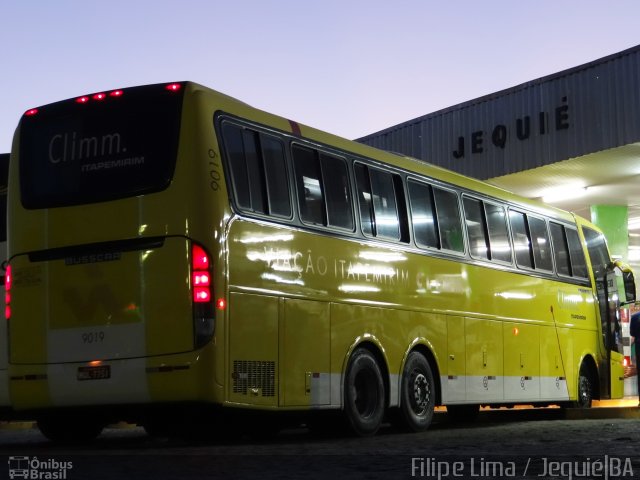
<point x="365" y="389"/>
<point x="70" y="429"/>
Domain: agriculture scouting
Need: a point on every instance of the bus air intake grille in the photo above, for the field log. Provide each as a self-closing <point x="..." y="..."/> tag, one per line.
<point x="252" y="375"/>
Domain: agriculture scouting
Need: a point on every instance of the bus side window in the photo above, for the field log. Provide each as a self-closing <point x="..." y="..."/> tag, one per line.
<point x="499" y="243"/>
<point x="422" y="214"/>
<point x="597" y="248"/>
<point x="377" y="201"/>
<point x="540" y="242"/>
<point x="522" y="244"/>
<point x="234" y="145"/>
<point x="309" y="185"/>
<point x="258" y="171"/>
<point x="560" y="249"/>
<point x="578" y="262"/>
<point x="337" y="192"/>
<point x="476" y="228"/>
<point x="365" y="202"/>
<point x="276" y="174"/>
<point x="448" y="218"/>
<point x="384" y="204"/>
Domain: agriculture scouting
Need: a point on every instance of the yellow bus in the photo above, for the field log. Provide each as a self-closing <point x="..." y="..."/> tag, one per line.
<point x="174" y="252"/>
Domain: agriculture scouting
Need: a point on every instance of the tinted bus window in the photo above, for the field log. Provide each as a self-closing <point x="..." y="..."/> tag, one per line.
<point x="276" y="174"/>
<point x="73" y="153"/>
<point x="337" y="191"/>
<point x="597" y="248"/>
<point x="560" y="249"/>
<point x="424" y="225"/>
<point x="498" y="234"/>
<point x="308" y="182"/>
<point x="384" y="204"/>
<point x="258" y="171"/>
<point x="540" y="242"/>
<point x="364" y="199"/>
<point x="449" y="221"/>
<point x="474" y="218"/>
<point x="521" y="243"/>
<point x="377" y="198"/>
<point x="578" y="262"/>
<point x="234" y="144"/>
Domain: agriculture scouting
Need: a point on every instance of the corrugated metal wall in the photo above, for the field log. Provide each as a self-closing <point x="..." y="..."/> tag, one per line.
<point x="583" y="110"/>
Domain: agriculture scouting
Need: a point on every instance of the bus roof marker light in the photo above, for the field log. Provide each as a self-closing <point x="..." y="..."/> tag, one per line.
<point x="31" y="112"/>
<point x="173" y="87"/>
<point x="83" y="99"/>
<point x="116" y="93"/>
<point x="99" y="96"/>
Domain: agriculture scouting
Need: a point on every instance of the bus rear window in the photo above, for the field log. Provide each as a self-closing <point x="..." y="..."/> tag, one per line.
<point x="100" y="148"/>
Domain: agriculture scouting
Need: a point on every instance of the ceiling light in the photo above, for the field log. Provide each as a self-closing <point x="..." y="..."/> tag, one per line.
<point x="567" y="192"/>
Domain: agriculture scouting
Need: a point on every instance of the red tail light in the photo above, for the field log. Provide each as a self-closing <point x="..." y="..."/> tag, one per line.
<point x="8" y="280"/>
<point x="200" y="258"/>
<point x="201" y="279"/>
<point x="200" y="276"/>
<point x="202" y="295"/>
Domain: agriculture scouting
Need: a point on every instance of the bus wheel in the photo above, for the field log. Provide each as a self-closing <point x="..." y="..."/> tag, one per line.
<point x="417" y="394"/>
<point x="62" y="429"/>
<point x="364" y="394"/>
<point x="585" y="388"/>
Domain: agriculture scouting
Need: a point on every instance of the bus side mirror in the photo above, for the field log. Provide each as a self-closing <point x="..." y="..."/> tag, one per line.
<point x="629" y="281"/>
<point x="629" y="286"/>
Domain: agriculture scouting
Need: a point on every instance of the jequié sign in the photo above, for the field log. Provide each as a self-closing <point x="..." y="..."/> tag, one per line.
<point x="519" y="130"/>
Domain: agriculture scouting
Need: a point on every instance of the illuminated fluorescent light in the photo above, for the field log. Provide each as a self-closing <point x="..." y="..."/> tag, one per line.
<point x="564" y="193"/>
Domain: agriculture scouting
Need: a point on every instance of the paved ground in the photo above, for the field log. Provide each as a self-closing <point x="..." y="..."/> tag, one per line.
<point x="603" y="443"/>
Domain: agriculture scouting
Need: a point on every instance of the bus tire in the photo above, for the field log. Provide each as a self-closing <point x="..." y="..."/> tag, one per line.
<point x="417" y="393"/>
<point x="70" y="430"/>
<point x="364" y="393"/>
<point x="585" y="388"/>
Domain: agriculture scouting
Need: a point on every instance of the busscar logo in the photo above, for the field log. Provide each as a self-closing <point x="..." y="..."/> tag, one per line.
<point x="35" y="469"/>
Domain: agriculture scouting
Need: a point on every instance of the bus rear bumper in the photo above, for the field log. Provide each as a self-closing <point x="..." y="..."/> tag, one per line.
<point x="182" y="377"/>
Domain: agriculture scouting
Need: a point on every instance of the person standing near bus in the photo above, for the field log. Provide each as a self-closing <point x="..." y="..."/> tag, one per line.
<point x="634" y="332"/>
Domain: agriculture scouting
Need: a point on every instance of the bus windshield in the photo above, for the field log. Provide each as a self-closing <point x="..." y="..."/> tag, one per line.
<point x="98" y="148"/>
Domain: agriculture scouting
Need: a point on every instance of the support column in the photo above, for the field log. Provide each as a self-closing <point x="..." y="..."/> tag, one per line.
<point x="613" y="221"/>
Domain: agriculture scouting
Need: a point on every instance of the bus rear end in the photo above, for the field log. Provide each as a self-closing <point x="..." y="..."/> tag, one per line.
<point x="110" y="299"/>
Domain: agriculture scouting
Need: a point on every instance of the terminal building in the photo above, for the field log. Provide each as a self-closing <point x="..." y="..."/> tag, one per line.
<point x="571" y="139"/>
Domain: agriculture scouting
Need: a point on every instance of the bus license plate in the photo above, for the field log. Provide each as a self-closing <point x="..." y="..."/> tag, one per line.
<point x="100" y="372"/>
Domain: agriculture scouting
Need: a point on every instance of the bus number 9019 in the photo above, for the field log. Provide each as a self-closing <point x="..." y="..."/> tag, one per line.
<point x="93" y="337"/>
<point x="214" y="171"/>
